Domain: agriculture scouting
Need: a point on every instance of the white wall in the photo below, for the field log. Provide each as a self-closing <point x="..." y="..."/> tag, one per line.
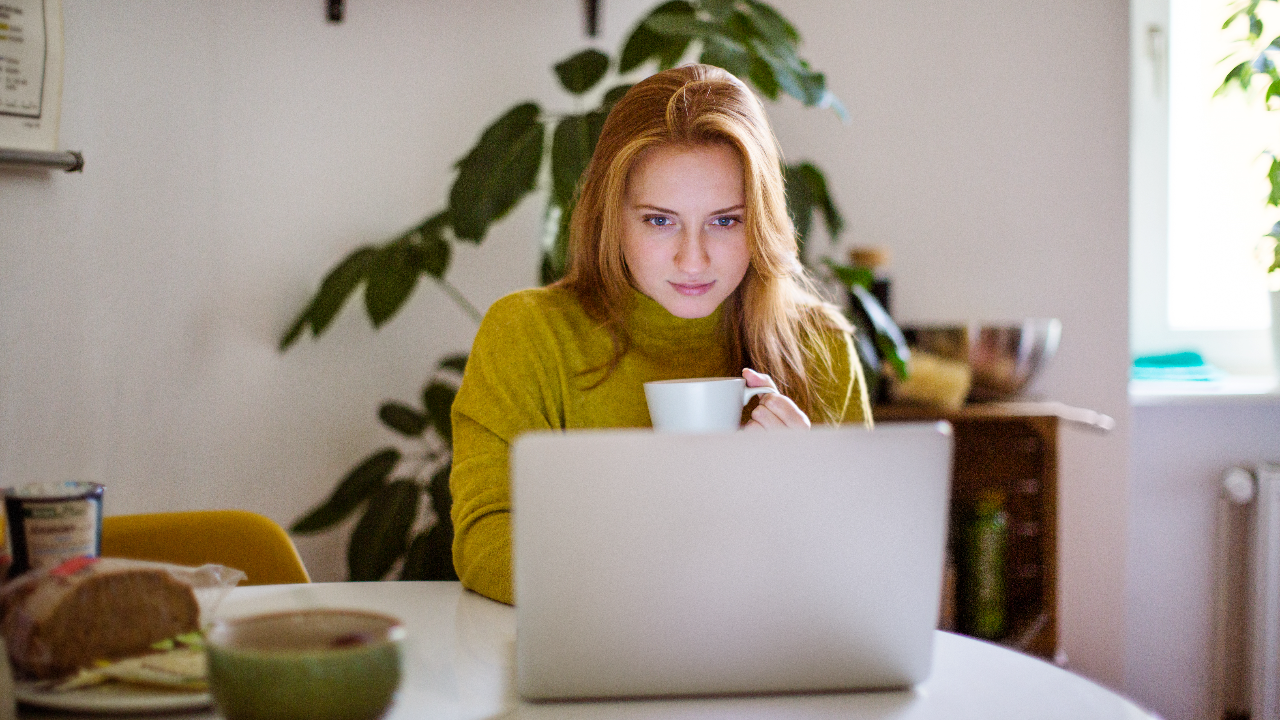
<point x="236" y="150"/>
<point x="1180" y="450"/>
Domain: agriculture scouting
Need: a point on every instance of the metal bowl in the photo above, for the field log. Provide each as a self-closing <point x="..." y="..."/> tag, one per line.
<point x="1002" y="357"/>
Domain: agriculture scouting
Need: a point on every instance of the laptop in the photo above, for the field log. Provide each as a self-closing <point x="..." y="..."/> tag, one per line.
<point x="652" y="564"/>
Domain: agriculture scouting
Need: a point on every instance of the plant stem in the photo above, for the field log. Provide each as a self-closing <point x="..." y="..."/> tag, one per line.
<point x="462" y="301"/>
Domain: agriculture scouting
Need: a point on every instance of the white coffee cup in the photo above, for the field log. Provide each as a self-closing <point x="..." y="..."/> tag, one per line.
<point x="699" y="405"/>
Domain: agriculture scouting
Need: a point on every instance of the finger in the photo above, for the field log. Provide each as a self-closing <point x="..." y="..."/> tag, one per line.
<point x="757" y="379"/>
<point x="764" y="419"/>
<point x="776" y="411"/>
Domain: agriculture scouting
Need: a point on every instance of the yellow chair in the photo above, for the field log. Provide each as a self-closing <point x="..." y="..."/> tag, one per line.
<point x="240" y="539"/>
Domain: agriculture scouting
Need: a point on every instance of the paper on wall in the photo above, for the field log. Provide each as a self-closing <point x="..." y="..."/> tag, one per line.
<point x="30" y="73"/>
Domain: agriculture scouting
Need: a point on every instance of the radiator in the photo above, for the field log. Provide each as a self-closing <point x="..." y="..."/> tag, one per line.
<point x="1247" y="612"/>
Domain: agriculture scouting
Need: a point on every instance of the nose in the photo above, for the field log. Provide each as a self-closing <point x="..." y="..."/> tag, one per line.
<point x="691" y="254"/>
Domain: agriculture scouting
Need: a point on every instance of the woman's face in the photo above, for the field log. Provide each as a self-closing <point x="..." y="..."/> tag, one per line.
<point x="683" y="234"/>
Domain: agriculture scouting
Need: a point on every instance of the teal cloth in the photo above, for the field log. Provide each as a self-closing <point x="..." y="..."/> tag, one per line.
<point x="1186" y="365"/>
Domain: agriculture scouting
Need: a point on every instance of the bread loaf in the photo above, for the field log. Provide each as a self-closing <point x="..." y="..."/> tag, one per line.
<point x="105" y="609"/>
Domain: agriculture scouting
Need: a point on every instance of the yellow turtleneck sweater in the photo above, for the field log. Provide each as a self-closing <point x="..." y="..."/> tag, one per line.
<point x="524" y="373"/>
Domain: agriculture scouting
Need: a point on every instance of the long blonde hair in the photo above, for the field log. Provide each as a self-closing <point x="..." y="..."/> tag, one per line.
<point x="774" y="320"/>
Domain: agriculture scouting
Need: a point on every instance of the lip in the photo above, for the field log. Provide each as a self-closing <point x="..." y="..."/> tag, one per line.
<point x="693" y="289"/>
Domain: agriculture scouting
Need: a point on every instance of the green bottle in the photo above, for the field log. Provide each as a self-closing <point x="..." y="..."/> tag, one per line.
<point x="987" y="539"/>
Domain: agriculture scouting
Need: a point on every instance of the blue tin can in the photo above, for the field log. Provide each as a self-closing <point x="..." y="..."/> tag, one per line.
<point x="50" y="523"/>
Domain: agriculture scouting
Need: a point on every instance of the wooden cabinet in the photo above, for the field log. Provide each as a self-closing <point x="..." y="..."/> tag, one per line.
<point x="1013" y="448"/>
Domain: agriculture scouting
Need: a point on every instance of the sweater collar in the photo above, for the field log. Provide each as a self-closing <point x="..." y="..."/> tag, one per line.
<point x="652" y="322"/>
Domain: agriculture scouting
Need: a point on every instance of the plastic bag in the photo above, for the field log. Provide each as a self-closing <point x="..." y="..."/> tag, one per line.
<point x="58" y="620"/>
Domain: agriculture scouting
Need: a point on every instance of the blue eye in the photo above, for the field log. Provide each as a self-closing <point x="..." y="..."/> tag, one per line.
<point x="658" y="220"/>
<point x="727" y="221"/>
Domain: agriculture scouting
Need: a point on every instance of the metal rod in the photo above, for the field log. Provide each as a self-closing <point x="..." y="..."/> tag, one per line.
<point x="71" y="161"/>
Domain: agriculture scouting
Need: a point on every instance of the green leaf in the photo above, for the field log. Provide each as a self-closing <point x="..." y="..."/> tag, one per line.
<point x="1240" y="74"/>
<point x="1255" y="27"/>
<point x="403" y="419"/>
<point x="382" y="534"/>
<point x="800" y="200"/>
<point x="1275" y="232"/>
<point x="772" y="25"/>
<point x="1273" y="175"/>
<point x="430" y="556"/>
<point x="582" y="71"/>
<point x="790" y="72"/>
<point x="436" y="251"/>
<point x="547" y="270"/>
<point x="294" y="332"/>
<point x="737" y="27"/>
<point x="829" y="100"/>
<point x="864" y="339"/>
<point x="415" y="558"/>
<point x="644" y="44"/>
<point x="783" y="74"/>
<point x="850" y="275"/>
<point x="831" y="216"/>
<point x="456" y="363"/>
<point x="555" y="259"/>
<point x="438" y="489"/>
<point x="612" y="97"/>
<point x="868" y="356"/>
<point x="723" y="52"/>
<point x="1263" y="64"/>
<point x="889" y="351"/>
<point x="815" y="87"/>
<point x="807" y="192"/>
<point x="337" y="286"/>
<point x="500" y="170"/>
<point x="762" y="77"/>
<point x="392" y="276"/>
<point x="437" y="398"/>
<point x="680" y="25"/>
<point x="572" y="143"/>
<point x="889" y="338"/>
<point x="366" y="479"/>
<point x="719" y="9"/>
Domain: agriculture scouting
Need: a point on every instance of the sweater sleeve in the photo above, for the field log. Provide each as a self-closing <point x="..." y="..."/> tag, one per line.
<point x="505" y="390"/>
<point x="844" y="390"/>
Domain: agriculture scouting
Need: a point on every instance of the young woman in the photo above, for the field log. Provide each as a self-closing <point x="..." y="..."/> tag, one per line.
<point x="682" y="263"/>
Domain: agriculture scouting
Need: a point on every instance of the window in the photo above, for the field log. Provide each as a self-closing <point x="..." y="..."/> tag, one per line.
<point x="1198" y="189"/>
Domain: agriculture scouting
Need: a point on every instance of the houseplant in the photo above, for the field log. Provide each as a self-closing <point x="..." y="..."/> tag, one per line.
<point x="746" y="37"/>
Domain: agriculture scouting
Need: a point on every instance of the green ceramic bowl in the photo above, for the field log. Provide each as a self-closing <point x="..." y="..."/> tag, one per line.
<point x="306" y="664"/>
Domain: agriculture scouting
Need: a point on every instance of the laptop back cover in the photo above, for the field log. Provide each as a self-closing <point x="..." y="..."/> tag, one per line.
<point x="660" y="564"/>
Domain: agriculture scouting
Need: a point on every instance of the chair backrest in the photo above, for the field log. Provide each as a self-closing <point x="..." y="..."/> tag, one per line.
<point x="240" y="539"/>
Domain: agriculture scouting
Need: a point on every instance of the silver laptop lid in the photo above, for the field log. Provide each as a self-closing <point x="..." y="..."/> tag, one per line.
<point x="655" y="564"/>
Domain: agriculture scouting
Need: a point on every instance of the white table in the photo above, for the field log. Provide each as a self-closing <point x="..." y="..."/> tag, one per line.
<point x="459" y="652"/>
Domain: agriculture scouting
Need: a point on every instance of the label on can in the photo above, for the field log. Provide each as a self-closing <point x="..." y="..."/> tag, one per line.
<point x="57" y="532"/>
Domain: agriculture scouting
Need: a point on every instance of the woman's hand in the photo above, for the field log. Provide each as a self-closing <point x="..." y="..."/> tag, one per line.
<point x="774" y="410"/>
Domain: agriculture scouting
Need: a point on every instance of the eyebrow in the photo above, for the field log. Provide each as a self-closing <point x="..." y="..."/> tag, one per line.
<point x="734" y="208"/>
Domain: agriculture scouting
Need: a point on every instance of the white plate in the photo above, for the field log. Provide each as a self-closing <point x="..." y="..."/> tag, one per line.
<point x="111" y="698"/>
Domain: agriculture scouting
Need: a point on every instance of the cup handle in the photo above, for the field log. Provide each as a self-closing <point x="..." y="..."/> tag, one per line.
<point x="749" y="393"/>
